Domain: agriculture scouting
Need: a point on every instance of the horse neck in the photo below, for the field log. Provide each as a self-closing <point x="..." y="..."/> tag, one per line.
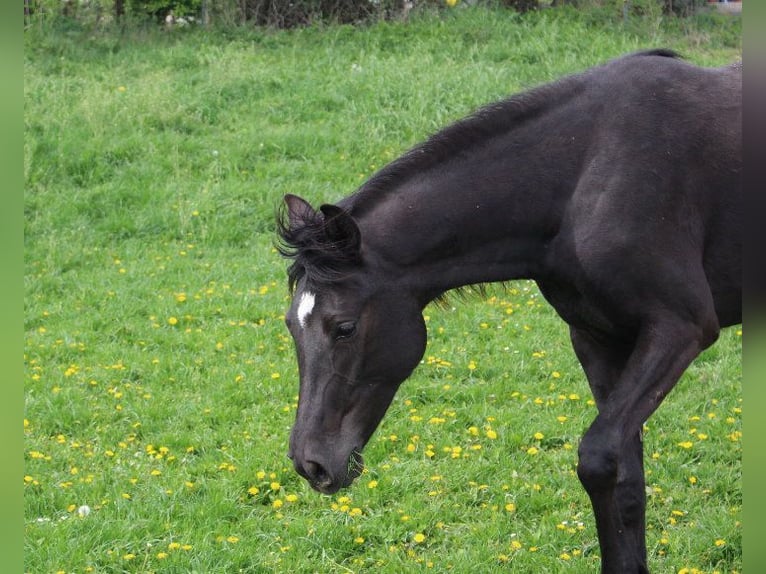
<point x="474" y="220"/>
<point x="481" y="200"/>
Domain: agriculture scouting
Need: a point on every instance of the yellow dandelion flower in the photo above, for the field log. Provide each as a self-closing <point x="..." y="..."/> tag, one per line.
<point x="539" y="436"/>
<point x="532" y="451"/>
<point x="419" y="538"/>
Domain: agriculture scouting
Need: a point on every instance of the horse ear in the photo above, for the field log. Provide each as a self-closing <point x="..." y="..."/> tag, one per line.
<point x="299" y="211"/>
<point x="341" y="228"/>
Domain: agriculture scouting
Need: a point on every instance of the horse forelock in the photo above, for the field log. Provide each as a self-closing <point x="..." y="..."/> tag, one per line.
<point x="313" y="255"/>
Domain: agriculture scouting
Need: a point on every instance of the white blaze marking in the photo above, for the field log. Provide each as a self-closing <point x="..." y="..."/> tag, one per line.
<point x="305" y="307"/>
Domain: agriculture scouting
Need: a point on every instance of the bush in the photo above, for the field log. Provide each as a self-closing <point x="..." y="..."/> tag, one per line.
<point x="292" y="13"/>
<point x="286" y="14"/>
<point x="159" y="9"/>
<point x="682" y="7"/>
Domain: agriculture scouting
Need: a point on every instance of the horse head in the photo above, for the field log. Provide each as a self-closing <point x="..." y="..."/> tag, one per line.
<point x="357" y="338"/>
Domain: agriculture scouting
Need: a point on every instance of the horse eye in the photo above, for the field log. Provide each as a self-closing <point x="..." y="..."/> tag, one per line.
<point x="345" y="330"/>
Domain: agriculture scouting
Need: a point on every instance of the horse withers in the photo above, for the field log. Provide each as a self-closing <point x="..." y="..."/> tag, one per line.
<point x="618" y="190"/>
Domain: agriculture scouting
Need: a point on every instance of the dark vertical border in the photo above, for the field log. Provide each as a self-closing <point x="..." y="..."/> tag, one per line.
<point x="11" y="286"/>
<point x="754" y="322"/>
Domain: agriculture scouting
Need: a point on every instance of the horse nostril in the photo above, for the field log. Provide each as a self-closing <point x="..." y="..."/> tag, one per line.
<point x="317" y="474"/>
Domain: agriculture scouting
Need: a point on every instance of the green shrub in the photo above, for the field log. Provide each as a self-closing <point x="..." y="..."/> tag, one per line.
<point x="290" y="14"/>
<point x="682" y="7"/>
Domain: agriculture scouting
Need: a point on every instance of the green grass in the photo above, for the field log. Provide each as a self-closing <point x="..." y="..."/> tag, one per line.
<point x="160" y="381"/>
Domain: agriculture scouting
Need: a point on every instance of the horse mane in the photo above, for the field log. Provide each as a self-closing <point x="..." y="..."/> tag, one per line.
<point x="487" y="122"/>
<point x="484" y="124"/>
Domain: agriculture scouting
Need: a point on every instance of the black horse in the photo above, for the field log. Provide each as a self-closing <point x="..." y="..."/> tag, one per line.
<point x="618" y="190"/>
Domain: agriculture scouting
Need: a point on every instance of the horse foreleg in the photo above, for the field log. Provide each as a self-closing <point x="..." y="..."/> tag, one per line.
<point x="630" y="494"/>
<point x="603" y="365"/>
<point x="610" y="454"/>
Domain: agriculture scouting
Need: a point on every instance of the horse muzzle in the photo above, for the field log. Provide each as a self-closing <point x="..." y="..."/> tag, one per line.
<point x="325" y="477"/>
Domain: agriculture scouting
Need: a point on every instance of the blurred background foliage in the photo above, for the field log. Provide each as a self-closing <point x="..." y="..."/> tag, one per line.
<point x="293" y="13"/>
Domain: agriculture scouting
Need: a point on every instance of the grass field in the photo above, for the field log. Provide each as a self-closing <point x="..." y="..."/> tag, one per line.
<point x="160" y="380"/>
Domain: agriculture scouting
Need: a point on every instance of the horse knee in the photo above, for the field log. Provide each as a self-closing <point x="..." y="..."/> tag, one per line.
<point x="597" y="468"/>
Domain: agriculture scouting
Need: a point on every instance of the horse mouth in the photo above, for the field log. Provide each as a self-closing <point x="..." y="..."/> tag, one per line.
<point x="328" y="484"/>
